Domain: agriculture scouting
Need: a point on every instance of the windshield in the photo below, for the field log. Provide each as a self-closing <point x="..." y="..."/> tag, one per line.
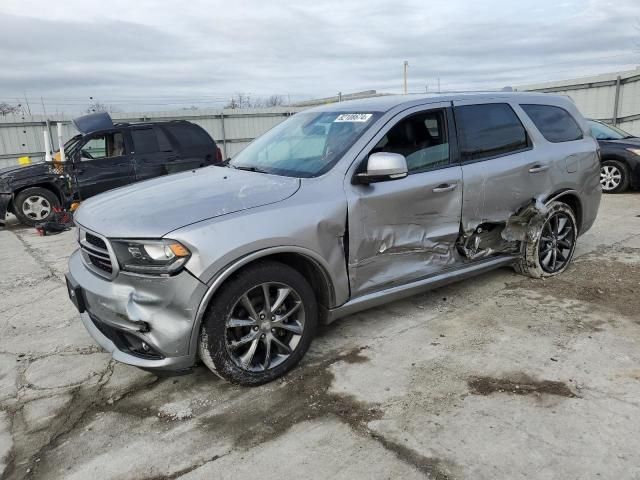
<point x="607" y="132"/>
<point x="306" y="145"/>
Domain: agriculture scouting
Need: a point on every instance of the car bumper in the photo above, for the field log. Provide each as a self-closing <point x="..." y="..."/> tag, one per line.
<point x="143" y="321"/>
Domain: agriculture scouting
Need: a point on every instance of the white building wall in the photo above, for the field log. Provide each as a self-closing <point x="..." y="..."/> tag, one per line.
<point x="596" y="97"/>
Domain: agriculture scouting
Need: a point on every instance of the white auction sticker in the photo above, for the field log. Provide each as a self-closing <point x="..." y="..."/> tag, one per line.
<point x="353" y="117"/>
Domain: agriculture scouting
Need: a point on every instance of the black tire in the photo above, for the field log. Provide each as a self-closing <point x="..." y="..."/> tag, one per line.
<point x="216" y="347"/>
<point x="46" y="198"/>
<point x="535" y="252"/>
<point x="617" y="183"/>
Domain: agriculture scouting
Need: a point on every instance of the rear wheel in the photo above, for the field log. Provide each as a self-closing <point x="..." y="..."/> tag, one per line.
<point x="551" y="251"/>
<point x="35" y="205"/>
<point x="614" y="176"/>
<point x="260" y="324"/>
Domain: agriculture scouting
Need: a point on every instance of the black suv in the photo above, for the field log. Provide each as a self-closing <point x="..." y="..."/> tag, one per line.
<point x="103" y="156"/>
<point x="620" y="157"/>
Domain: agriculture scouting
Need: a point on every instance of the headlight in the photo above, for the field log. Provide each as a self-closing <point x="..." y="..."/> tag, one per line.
<point x="153" y="257"/>
<point x="635" y="151"/>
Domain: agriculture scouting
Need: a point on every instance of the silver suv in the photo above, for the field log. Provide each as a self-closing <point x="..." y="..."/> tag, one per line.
<point x="338" y="209"/>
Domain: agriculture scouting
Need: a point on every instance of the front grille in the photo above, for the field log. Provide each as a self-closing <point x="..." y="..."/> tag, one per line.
<point x="96" y="254"/>
<point x="95" y="241"/>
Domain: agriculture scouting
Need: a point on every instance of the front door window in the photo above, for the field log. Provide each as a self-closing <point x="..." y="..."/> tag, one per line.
<point x="106" y="145"/>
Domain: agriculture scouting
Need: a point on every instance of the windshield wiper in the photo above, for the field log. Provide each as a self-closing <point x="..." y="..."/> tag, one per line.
<point x="248" y="169"/>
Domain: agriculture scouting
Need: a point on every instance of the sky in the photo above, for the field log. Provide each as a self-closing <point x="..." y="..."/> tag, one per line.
<point x="170" y="54"/>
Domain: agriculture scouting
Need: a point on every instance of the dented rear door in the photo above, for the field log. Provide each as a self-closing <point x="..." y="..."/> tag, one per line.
<point x="503" y="166"/>
<point x="403" y="230"/>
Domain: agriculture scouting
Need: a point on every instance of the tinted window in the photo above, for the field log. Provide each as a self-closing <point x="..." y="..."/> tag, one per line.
<point x="555" y="123"/>
<point x="144" y="141"/>
<point x="489" y="130"/>
<point x="188" y="135"/>
<point x="163" y="141"/>
<point x="421" y="138"/>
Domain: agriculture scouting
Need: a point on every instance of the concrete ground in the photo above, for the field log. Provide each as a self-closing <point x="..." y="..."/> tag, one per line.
<point x="500" y="376"/>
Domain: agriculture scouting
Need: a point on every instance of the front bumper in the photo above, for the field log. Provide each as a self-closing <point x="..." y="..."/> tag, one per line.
<point x="132" y="311"/>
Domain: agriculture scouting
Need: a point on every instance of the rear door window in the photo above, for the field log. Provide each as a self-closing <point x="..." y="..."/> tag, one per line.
<point x="489" y="130"/>
<point x="144" y="140"/>
<point x="555" y="123"/>
<point x="188" y="135"/>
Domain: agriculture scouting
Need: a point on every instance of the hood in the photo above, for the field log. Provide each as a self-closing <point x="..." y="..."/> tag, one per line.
<point x="632" y="142"/>
<point x="93" y="122"/>
<point x="153" y="208"/>
<point x="19" y="172"/>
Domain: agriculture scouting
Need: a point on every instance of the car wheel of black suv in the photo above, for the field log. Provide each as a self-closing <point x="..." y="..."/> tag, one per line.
<point x="551" y="250"/>
<point x="614" y="176"/>
<point x="259" y="325"/>
<point x="34" y="205"/>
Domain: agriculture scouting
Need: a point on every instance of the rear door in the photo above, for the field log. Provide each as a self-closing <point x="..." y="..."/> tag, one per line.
<point x="403" y="230"/>
<point x="103" y="163"/>
<point x="194" y="147"/>
<point x="152" y="152"/>
<point x="501" y="168"/>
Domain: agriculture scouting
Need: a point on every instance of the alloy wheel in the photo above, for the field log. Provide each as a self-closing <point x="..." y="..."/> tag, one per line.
<point x="610" y="177"/>
<point x="36" y="207"/>
<point x="264" y="326"/>
<point x="556" y="242"/>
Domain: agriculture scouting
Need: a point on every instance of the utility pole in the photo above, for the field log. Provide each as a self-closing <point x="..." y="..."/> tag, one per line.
<point x="339" y="96"/>
<point x="406" y="66"/>
<point x="438" y="84"/>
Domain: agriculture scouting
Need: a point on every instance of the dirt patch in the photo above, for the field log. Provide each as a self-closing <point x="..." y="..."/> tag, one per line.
<point x="598" y="279"/>
<point x="303" y="395"/>
<point x="520" y="385"/>
<point x="433" y="468"/>
<point x="355" y="356"/>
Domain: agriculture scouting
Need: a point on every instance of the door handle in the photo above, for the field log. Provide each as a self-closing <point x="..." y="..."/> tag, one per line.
<point x="445" y="187"/>
<point x="538" y="168"/>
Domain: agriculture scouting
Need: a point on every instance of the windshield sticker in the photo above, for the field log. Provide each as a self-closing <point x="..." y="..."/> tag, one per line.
<point x="353" y="117"/>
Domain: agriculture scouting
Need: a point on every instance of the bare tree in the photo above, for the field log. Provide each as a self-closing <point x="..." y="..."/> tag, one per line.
<point x="96" y="107"/>
<point x="6" y="108"/>
<point x="274" y="101"/>
<point x="244" y="100"/>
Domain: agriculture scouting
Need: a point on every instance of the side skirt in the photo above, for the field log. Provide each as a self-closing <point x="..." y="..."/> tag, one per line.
<point x="396" y="293"/>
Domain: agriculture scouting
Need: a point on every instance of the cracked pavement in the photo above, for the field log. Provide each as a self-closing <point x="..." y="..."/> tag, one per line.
<point x="500" y="376"/>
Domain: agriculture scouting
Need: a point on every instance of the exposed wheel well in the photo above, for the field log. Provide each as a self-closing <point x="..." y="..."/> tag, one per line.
<point x="574" y="203"/>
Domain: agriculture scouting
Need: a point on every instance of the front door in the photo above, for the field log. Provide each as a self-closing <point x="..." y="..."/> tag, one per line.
<point x="403" y="230"/>
<point x="102" y="164"/>
<point x="502" y="171"/>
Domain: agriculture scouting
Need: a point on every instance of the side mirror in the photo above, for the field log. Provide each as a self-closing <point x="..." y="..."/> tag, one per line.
<point x="382" y="167"/>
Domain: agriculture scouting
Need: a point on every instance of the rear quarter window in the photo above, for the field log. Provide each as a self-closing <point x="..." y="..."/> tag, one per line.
<point x="489" y="130"/>
<point x="555" y="123"/>
<point x="188" y="135"/>
<point x="144" y="140"/>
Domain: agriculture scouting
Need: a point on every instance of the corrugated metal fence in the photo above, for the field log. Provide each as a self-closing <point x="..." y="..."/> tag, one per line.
<point x="613" y="97"/>
<point x="231" y="129"/>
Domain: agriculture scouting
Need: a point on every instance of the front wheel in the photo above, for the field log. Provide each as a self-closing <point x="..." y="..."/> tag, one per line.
<point x="550" y="251"/>
<point x="35" y="205"/>
<point x="259" y="325"/>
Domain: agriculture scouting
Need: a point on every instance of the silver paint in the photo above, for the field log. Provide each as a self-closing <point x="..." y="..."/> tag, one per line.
<point x="370" y="243"/>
